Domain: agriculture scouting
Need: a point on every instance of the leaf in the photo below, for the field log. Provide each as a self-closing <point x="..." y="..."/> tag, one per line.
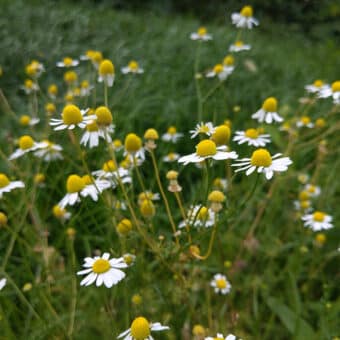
<point x="295" y="324"/>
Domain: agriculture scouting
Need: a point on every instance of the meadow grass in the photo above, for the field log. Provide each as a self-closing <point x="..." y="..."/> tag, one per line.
<point x="284" y="281"/>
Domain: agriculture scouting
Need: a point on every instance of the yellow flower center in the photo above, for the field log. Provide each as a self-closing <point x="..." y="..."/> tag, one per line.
<point x="110" y="166"/>
<point x="319" y="216"/>
<point x="202" y="31"/>
<point x="87" y="179"/>
<point x="304" y="195"/>
<point x="67" y="61"/>
<point x="320" y="238"/>
<point x="74" y="183"/>
<point x="206" y="148"/>
<point x="124" y="226"/>
<point x="31" y="70"/>
<point x="216" y="196"/>
<point x="221" y="283"/>
<point x="92" y="126"/>
<point x="151" y="134"/>
<point x="140" y="328"/>
<point x="70" y="76"/>
<point x="84" y="84"/>
<point x="4" y="181"/>
<point x="239" y="43"/>
<point x="28" y="83"/>
<point x="261" y="157"/>
<point x="305" y="120"/>
<point x="172" y="175"/>
<point x="221" y="135"/>
<point x="229" y="60"/>
<point x="25" y="120"/>
<point x="203" y="213"/>
<point x="53" y="89"/>
<point x="270" y="104"/>
<point x="71" y="115"/>
<point x="171" y="156"/>
<point x="106" y="68"/>
<point x="318" y="83"/>
<point x="312" y="188"/>
<point x="104" y="116"/>
<point x="128" y="259"/>
<point x="101" y="266"/>
<point x="305" y="204"/>
<point x="58" y="212"/>
<point x="147" y="208"/>
<point x="336" y="86"/>
<point x="252" y="133"/>
<point x="217" y="338"/>
<point x="25" y="142"/>
<point x="218" y="68"/>
<point x="172" y="130"/>
<point x="132" y="143"/>
<point x="117" y="143"/>
<point x="97" y="57"/>
<point x="320" y="122"/>
<point x="133" y="65"/>
<point x="50" y="108"/>
<point x="247" y="11"/>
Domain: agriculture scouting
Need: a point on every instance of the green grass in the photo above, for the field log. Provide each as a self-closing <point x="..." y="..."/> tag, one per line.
<point x="285" y="288"/>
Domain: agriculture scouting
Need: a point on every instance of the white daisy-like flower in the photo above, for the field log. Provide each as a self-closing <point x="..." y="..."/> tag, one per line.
<point x="304" y="205"/>
<point x="6" y="185"/>
<point x="111" y="171"/>
<point x="102" y="270"/>
<point x="119" y="205"/>
<point x="220" y="183"/>
<point x="71" y="117"/>
<point x="201" y="35"/>
<point x="263" y="162"/>
<point x="61" y="213"/>
<point x="313" y="190"/>
<point x="203" y="128"/>
<point x="35" y="69"/>
<point x="51" y="152"/>
<point x="220" y="336"/>
<point x="85" y="88"/>
<point x="304" y="121"/>
<point x="30" y="86"/>
<point x="245" y="18"/>
<point x="172" y="135"/>
<point x="3" y="282"/>
<point x="199" y="216"/>
<point x="148" y="195"/>
<point x="94" y="187"/>
<point x="129" y="259"/>
<point x="94" y="132"/>
<point x="26" y="144"/>
<point x="220" y="284"/>
<point x="171" y="157"/>
<point x="132" y="67"/>
<point x="220" y="71"/>
<point x="134" y="149"/>
<point x="252" y="137"/>
<point x="26" y="120"/>
<point x="317" y="221"/>
<point x="141" y="329"/>
<point x="106" y="72"/>
<point x="316" y="87"/>
<point x="207" y="149"/>
<point x="268" y="112"/>
<point x="68" y="62"/>
<point x="332" y="91"/>
<point x="239" y="46"/>
<point x="74" y="185"/>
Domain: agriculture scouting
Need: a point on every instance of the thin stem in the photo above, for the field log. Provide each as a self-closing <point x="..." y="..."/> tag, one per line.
<point x="105" y="95"/>
<point x="181" y="208"/>
<point x="198" y="88"/>
<point x="73" y="304"/>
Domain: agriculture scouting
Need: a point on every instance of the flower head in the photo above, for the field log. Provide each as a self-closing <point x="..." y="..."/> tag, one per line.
<point x="132" y="67"/>
<point x="332" y="91"/>
<point x="220" y="71"/>
<point x="317" y="221"/>
<point x="245" y="18"/>
<point x="268" y="112"/>
<point x="172" y="135"/>
<point x="239" y="46"/>
<point x="201" y="35"/>
<point x="203" y="128"/>
<point x="252" y="137"/>
<point x="26" y="144"/>
<point x="68" y="62"/>
<point x="220" y="284"/>
<point x="220" y="336"/>
<point x="106" y="72"/>
<point x="6" y="185"/>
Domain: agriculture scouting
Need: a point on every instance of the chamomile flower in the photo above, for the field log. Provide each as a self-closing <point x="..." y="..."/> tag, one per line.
<point x="104" y="121"/>
<point x="201" y="35"/>
<point x="220" y="336"/>
<point x="141" y="329"/>
<point x="87" y="55"/>
<point x="199" y="216"/>
<point x="133" y="147"/>
<point x="171" y="157"/>
<point x="220" y="71"/>
<point x="71" y="117"/>
<point x="94" y="187"/>
<point x="148" y="195"/>
<point x="30" y="86"/>
<point x="34" y="69"/>
<point x="220" y="183"/>
<point x="252" y="137"/>
<point x="203" y="128"/>
<point x="111" y="171"/>
<point x="317" y="221"/>
<point x="207" y="149"/>
<point x="61" y="213"/>
<point x="172" y="135"/>
<point x="132" y="67"/>
<point x="91" y="135"/>
<point x="26" y="144"/>
<point x="3" y="282"/>
<point x="68" y="62"/>
<point x="74" y="185"/>
<point x="239" y="46"/>
<point x="85" y="88"/>
<point x="304" y="205"/>
<point x="102" y="270"/>
<point x="50" y="152"/>
<point x="332" y="91"/>
<point x="52" y="91"/>
<point x="313" y="190"/>
<point x="316" y="87"/>
<point x="263" y="162"/>
<point x="26" y="120"/>
<point x="245" y="18"/>
<point x="129" y="259"/>
<point x="220" y="284"/>
<point x="268" y="112"/>
<point x="304" y="121"/>
<point x="6" y="185"/>
<point x="106" y="72"/>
